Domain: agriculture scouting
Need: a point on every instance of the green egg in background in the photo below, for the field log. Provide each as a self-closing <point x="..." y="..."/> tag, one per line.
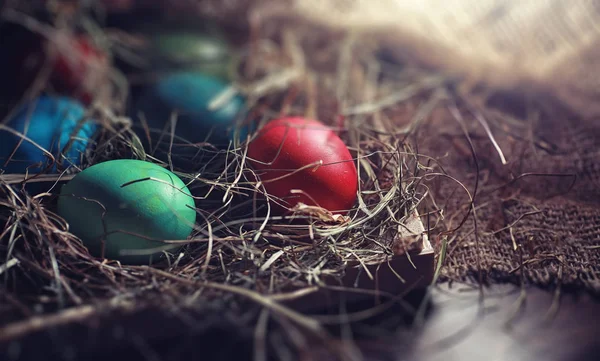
<point x="132" y="204"/>
<point x="206" y="53"/>
<point x="202" y="48"/>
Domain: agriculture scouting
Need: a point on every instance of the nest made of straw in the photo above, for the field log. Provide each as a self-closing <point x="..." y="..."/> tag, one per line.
<point x="506" y="195"/>
<point x="240" y="253"/>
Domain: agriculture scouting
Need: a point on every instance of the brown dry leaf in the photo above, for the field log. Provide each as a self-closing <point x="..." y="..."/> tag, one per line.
<point x="320" y="213"/>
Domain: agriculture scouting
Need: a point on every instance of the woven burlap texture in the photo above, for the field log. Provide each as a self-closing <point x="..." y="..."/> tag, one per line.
<point x="537" y="216"/>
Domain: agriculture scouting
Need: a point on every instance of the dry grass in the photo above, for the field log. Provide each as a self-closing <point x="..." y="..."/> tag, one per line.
<point x="240" y="251"/>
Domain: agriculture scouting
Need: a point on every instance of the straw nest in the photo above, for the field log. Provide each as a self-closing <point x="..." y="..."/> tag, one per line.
<point x="240" y="255"/>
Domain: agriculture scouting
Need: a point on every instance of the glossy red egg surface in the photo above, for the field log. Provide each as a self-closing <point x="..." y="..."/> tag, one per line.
<point x="287" y="144"/>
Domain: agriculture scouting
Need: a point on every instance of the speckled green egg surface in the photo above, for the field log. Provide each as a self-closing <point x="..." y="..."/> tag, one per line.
<point x="132" y="204"/>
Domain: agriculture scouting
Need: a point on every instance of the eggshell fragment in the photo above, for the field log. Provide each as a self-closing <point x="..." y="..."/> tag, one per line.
<point x="127" y="205"/>
<point x="302" y="160"/>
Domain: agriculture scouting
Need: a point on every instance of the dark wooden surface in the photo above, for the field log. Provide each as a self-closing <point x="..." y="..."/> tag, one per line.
<point x="459" y="325"/>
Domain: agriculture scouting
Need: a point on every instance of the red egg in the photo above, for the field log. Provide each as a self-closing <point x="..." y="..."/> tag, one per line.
<point x="288" y="144"/>
<point x="80" y="67"/>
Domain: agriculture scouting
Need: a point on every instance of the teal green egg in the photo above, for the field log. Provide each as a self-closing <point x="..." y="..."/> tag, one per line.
<point x="127" y="206"/>
<point x="190" y="94"/>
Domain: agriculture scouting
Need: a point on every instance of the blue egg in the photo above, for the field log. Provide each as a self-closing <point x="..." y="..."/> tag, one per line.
<point x="53" y="123"/>
<point x="189" y="94"/>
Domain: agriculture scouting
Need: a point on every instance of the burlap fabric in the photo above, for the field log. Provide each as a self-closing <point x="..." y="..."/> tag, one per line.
<point x="536" y="218"/>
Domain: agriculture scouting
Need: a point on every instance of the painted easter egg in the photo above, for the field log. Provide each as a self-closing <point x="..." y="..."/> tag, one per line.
<point x="282" y="153"/>
<point x="187" y="50"/>
<point x="191" y="96"/>
<point x="131" y="206"/>
<point x="56" y="124"/>
<point x="80" y="68"/>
